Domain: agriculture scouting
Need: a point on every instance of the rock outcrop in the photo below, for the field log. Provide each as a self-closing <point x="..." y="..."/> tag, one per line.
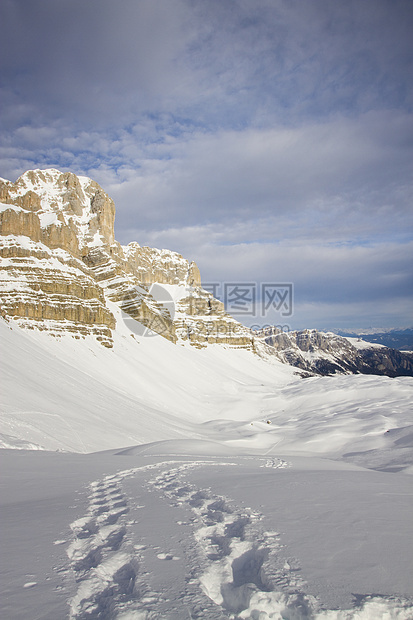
<point x="327" y="353"/>
<point x="59" y="209"/>
<point x="51" y="290"/>
<point x="61" y="265"/>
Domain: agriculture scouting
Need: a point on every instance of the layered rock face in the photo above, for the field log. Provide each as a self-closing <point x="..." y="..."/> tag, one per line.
<point x="60" y="209"/>
<point x="61" y="265"/>
<point x="51" y="290"/>
<point x="326" y="353"/>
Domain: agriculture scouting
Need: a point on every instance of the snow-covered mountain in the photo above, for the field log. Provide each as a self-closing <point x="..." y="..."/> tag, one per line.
<point x="395" y="337"/>
<point x="326" y="353"/>
<point x="61" y="265"/>
<point x="186" y="468"/>
<point x="61" y="268"/>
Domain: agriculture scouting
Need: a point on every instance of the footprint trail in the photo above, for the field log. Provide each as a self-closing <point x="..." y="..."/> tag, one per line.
<point x="238" y="566"/>
<point x="229" y="566"/>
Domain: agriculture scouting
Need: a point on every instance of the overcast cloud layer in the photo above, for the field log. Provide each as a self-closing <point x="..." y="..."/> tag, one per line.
<point x="270" y="141"/>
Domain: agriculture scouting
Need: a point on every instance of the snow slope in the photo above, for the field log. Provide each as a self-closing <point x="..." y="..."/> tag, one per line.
<point x="67" y="394"/>
<point x="176" y="483"/>
<point x="79" y="396"/>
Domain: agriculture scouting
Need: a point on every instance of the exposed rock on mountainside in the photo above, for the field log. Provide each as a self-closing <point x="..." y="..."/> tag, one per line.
<point x="61" y="265"/>
<point x="326" y="353"/>
<point x="52" y="290"/>
<point x="60" y="209"/>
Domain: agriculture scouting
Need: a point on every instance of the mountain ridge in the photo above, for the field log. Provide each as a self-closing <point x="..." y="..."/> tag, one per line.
<point x="62" y="268"/>
<point x="73" y="215"/>
<point x="326" y="353"/>
<point x="394" y="338"/>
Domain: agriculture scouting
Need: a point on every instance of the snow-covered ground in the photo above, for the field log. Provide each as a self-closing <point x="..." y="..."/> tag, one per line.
<point x="175" y="483"/>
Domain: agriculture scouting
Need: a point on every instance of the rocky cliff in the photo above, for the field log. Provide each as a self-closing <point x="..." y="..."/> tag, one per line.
<point x="61" y="270"/>
<point x="326" y="353"/>
<point x="61" y="266"/>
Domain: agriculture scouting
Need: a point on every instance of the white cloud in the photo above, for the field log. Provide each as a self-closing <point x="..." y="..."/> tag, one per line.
<point x="347" y="175"/>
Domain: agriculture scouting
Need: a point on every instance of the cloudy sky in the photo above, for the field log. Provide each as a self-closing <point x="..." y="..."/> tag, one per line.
<point x="271" y="141"/>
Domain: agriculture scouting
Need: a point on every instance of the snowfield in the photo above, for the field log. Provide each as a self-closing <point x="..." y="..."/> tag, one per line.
<point x="158" y="481"/>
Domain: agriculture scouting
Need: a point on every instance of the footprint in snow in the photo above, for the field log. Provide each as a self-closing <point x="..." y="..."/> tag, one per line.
<point x="239" y="568"/>
<point x="104" y="565"/>
<point x="167" y="556"/>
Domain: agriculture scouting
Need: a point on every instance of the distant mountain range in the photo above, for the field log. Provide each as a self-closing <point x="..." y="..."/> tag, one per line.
<point x="395" y="338"/>
<point x="326" y="353"/>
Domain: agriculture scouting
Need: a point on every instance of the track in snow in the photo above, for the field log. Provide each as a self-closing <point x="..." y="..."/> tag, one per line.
<point x="237" y="565"/>
<point x="233" y="569"/>
<point x="104" y="569"/>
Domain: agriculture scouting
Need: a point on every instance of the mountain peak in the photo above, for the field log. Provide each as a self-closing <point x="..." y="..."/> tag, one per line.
<point x="72" y="211"/>
<point x="58" y="239"/>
